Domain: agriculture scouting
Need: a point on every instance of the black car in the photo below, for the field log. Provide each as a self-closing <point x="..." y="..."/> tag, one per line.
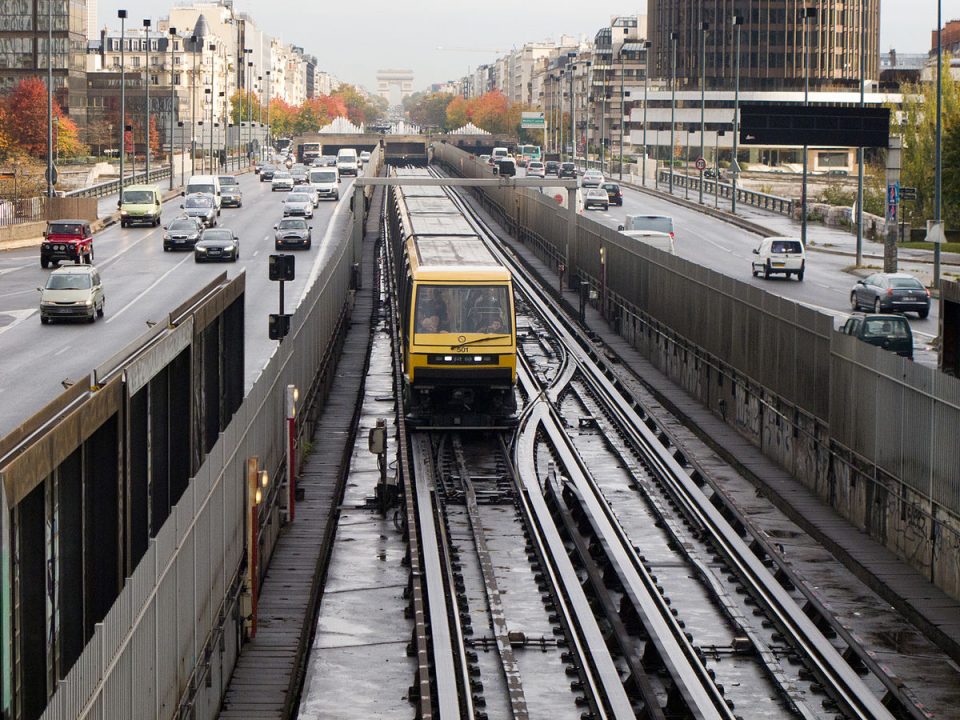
<point x="890" y="332"/>
<point x="891" y="292"/>
<point x="551" y="167"/>
<point x="299" y="174"/>
<point x="293" y="233"/>
<point x="614" y="194"/>
<point x="182" y="233"/>
<point x="217" y="244"/>
<point x="266" y="173"/>
<point x="568" y="170"/>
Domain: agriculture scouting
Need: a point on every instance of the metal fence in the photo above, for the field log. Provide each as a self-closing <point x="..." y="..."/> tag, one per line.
<point x="112" y="187"/>
<point x="166" y="648"/>
<point x="890" y="413"/>
<point x="23" y="210"/>
<point x="765" y="201"/>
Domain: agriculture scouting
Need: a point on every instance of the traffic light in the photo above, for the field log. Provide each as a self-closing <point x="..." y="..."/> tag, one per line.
<point x="279" y="326"/>
<point x="282" y="267"/>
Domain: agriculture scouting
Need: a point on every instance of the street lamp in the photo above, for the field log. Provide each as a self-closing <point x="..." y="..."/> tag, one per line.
<point x="716" y="167"/>
<point x="122" y="14"/>
<point x="209" y="93"/>
<point x="269" y="97"/>
<point x="50" y="190"/>
<point x="704" y="26"/>
<point x="674" y="38"/>
<point x="938" y="152"/>
<point x="146" y="84"/>
<point x="573" y="130"/>
<point x="805" y="14"/>
<point x="246" y="83"/>
<point x="173" y="102"/>
<point x="863" y="81"/>
<point x="250" y="109"/>
<point x="646" y="85"/>
<point x="737" y="22"/>
<point x="183" y="153"/>
<point x="193" y="103"/>
<point x="213" y="99"/>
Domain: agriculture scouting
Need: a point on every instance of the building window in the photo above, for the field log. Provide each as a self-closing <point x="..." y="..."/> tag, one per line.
<point x="176" y="59"/>
<point x="154" y="60"/>
<point x="176" y="78"/>
<point x="176" y="47"/>
<point x="116" y="61"/>
<point x="135" y="44"/>
<point x="136" y="61"/>
<point x="154" y="79"/>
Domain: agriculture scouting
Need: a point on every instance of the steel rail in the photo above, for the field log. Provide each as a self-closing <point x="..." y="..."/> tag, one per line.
<point x="850" y="691"/>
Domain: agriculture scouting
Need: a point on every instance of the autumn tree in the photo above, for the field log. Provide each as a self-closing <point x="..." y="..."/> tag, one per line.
<point x="129" y="147"/>
<point x="918" y="129"/>
<point x="489" y="111"/>
<point x="27" y="119"/>
<point x="67" y="139"/>
<point x="100" y="133"/>
<point x="430" y="110"/>
<point x="317" y="112"/>
<point x="23" y="177"/>
<point x="457" y="113"/>
<point x="6" y="142"/>
<point x="282" y="116"/>
<point x="359" y="109"/>
<point x="241" y="110"/>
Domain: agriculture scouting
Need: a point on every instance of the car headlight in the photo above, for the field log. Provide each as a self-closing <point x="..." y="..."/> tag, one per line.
<point x="201" y="249"/>
<point x="123" y="212"/>
<point x="88" y="302"/>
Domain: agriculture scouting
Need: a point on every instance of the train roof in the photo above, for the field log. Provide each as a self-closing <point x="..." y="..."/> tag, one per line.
<point x="418" y="205"/>
<point x="453" y="257"/>
<point x="450" y="225"/>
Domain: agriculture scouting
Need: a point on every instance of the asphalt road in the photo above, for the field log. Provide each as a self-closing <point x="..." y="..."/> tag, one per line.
<point x="727" y="248"/>
<point x="143" y="283"/>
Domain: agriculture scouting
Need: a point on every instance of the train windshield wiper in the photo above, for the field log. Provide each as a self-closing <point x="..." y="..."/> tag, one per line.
<point x="479" y="340"/>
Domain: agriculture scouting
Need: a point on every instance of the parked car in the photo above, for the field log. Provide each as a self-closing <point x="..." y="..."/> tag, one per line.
<point x="140" y="204"/>
<point x="183" y="232"/>
<point x="202" y="207"/>
<point x="614" y="193"/>
<point x="568" y="170"/>
<point x="551" y="167"/>
<point x="595" y="198"/>
<point x="72" y="292"/>
<point x="230" y="193"/>
<point x="891" y="292"/>
<point x="535" y="168"/>
<point x="592" y="178"/>
<point x="779" y="256"/>
<point x="292" y="232"/>
<point x="66" y="240"/>
<point x="282" y="180"/>
<point x="217" y="244"/>
<point x="266" y="173"/>
<point x="890" y="332"/>
<point x="298" y="203"/>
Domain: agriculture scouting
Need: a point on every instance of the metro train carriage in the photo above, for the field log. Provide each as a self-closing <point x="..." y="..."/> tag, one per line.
<point x="458" y="316"/>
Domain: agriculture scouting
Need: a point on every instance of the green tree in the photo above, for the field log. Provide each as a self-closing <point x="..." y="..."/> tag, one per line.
<point x="917" y="127"/>
<point x="951" y="173"/>
<point x="240" y="109"/>
<point x="430" y="110"/>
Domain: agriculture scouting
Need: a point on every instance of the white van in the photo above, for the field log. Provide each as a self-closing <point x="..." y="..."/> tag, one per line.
<point x="324" y="180"/>
<point x="654" y="238"/>
<point x="499" y="153"/>
<point x="779" y="255"/>
<point x="347" y="162"/>
<point x="209" y="184"/>
<point x="658" y="223"/>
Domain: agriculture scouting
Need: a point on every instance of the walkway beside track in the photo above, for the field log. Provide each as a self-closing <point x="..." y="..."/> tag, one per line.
<point x="929" y="608"/>
<point x="265" y="682"/>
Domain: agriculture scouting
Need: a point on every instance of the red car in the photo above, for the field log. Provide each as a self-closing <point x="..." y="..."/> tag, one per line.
<point x="67" y="240"/>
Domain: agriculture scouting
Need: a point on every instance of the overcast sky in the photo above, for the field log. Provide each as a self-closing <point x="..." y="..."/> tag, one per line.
<point x="353" y="39"/>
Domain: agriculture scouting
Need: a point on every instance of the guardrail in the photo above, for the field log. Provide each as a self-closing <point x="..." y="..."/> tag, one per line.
<point x="764" y="201"/>
<point x="112" y="187"/>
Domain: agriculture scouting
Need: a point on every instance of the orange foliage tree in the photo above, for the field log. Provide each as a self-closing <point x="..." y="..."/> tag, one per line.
<point x="26" y="119"/>
<point x="457" y="113"/>
<point x="489" y="111"/>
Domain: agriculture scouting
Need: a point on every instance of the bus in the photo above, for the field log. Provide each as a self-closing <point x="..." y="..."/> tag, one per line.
<point x="527" y="153"/>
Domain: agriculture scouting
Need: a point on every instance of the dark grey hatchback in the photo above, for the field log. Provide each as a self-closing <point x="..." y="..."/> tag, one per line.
<point x="891" y="292"/>
<point x="890" y="332"/>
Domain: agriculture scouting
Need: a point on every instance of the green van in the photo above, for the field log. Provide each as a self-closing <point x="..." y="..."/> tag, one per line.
<point x="140" y="204"/>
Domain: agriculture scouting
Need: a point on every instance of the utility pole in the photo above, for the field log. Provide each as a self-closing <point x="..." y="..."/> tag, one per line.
<point x="863" y="80"/>
<point x="704" y="26"/>
<point x="737" y="21"/>
<point x="146" y="84"/>
<point x="50" y="179"/>
<point x="646" y="86"/>
<point x="938" y="163"/>
<point x="674" y="38"/>
<point x="122" y="14"/>
<point x="173" y="102"/>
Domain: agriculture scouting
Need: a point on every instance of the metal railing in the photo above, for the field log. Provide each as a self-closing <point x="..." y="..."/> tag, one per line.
<point x="112" y="187"/>
<point x="23" y="210"/>
<point x="764" y="201"/>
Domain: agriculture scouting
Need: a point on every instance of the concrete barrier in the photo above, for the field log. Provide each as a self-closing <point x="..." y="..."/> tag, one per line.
<point x="22" y="235"/>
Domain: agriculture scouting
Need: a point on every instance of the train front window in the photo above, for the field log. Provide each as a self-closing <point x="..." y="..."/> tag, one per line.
<point x="481" y="309"/>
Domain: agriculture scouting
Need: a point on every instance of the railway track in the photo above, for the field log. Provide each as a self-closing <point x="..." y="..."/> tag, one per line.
<point x="578" y="568"/>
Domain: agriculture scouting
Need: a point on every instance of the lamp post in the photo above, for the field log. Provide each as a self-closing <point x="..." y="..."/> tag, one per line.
<point x="193" y="103"/>
<point x="213" y="100"/>
<point x="573" y="129"/>
<point x="704" y="26"/>
<point x="938" y="152"/>
<point x="737" y="21"/>
<point x="183" y="153"/>
<point x="863" y="80"/>
<point x="173" y="101"/>
<point x="200" y="125"/>
<point x="623" y="113"/>
<point x="209" y="93"/>
<point x="716" y="167"/>
<point x="686" y="173"/>
<point x="806" y="13"/>
<point x="122" y="14"/>
<point x="50" y="190"/>
<point x="250" y="109"/>
<point x="646" y="85"/>
<point x="246" y="83"/>
<point x="269" y="97"/>
<point x="674" y="38"/>
<point x="225" y="124"/>
<point x="146" y="84"/>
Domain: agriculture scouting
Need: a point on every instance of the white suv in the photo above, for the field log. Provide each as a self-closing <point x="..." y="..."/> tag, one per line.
<point x="779" y="255"/>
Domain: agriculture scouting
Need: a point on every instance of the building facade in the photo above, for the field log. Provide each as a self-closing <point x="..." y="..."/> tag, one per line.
<point x="24" y="48"/>
<point x="774" y="42"/>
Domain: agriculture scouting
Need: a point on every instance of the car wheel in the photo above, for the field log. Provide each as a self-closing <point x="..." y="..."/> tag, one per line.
<point x="90" y="256"/>
<point x="922" y="314"/>
<point x="854" y="303"/>
<point x="753" y="269"/>
<point x="876" y="306"/>
<point x="44" y="263"/>
<point x="93" y="317"/>
<point x="800" y="276"/>
<point x="100" y="310"/>
<point x="766" y="271"/>
<point x="196" y="258"/>
<point x="123" y="223"/>
<point x="308" y="245"/>
<point x="44" y="320"/>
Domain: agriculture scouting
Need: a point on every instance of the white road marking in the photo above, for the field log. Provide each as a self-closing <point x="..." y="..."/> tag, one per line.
<point x="61" y="351"/>
<point x="19" y="315"/>
<point x="156" y="282"/>
<point x="256" y="253"/>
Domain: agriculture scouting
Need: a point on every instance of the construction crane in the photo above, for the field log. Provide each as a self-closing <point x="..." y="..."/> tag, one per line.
<point x="486" y="51"/>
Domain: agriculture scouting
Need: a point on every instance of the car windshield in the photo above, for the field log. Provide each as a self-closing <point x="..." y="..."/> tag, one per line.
<point x="281" y="175"/>
<point x="886" y="327"/>
<point x="660" y="224"/>
<point x="202" y="201"/>
<point x="906" y="282"/>
<point x="611" y="187"/>
<point x="137" y="196"/>
<point x="228" y="180"/>
<point x="327" y="176"/>
<point x="182" y="226"/>
<point x="208" y="189"/>
<point x="453" y="309"/>
<point x="68" y="281"/>
<point x="293" y="224"/>
<point x="536" y="165"/>
<point x="298" y="198"/>
<point x="65" y="229"/>
<point x="596" y="192"/>
<point x="217" y="235"/>
<point x="567" y="166"/>
<point x="786" y="246"/>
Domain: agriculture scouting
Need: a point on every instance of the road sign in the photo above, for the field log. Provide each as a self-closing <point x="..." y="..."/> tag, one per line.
<point x="532" y="120"/>
<point x="735" y="167"/>
<point x="46" y="174"/>
<point x="934" y="232"/>
<point x="817" y="125"/>
<point x="908" y="193"/>
<point x="701" y="164"/>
